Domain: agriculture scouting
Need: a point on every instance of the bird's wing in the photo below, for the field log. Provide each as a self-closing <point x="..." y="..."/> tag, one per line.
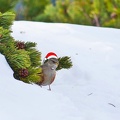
<point x="53" y="79"/>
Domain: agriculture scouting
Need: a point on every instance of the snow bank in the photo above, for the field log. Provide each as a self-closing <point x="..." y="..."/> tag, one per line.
<point x="88" y="91"/>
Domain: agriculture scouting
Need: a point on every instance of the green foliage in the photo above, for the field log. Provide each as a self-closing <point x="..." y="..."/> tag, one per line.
<point x="34" y="57"/>
<point x="34" y="76"/>
<point x="6" y="41"/>
<point x="19" y="59"/>
<point x="105" y="13"/>
<point x="64" y="63"/>
<point x="22" y="57"/>
<point x="34" y="7"/>
<point x="79" y="12"/>
<point x="56" y="13"/>
<point x="43" y="17"/>
<point x="6" y="5"/>
<point x="29" y="45"/>
<point x="6" y="19"/>
<point x="68" y="11"/>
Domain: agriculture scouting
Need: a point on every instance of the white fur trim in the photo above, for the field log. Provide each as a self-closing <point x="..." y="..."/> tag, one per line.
<point x="52" y="56"/>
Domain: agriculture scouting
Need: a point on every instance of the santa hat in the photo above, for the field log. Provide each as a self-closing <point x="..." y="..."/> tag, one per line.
<point x="50" y="55"/>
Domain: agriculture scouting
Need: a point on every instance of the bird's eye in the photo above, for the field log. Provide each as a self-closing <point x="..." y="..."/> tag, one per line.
<point x="53" y="61"/>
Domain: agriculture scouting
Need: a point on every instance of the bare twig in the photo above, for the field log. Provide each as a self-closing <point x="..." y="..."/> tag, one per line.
<point x="90" y="94"/>
<point x="112" y="104"/>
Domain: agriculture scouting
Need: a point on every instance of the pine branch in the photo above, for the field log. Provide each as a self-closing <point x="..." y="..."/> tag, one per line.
<point x="35" y="57"/>
<point x="19" y="59"/>
<point x="29" y="45"/>
<point x="6" y="19"/>
<point x="64" y="63"/>
<point x="33" y="75"/>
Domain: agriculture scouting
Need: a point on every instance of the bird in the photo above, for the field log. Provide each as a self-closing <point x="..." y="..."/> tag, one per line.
<point x="49" y="66"/>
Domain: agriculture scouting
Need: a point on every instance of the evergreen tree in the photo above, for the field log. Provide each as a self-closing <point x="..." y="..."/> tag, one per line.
<point x="7" y="5"/>
<point x="105" y="13"/>
<point x="34" y="7"/>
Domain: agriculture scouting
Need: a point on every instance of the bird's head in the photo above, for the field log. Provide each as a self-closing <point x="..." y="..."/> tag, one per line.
<point x="51" y="59"/>
<point x="53" y="62"/>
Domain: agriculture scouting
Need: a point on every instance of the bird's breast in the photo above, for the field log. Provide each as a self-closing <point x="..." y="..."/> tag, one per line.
<point x="48" y="76"/>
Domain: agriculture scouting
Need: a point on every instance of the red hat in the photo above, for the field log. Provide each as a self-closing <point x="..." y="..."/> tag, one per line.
<point x="50" y="55"/>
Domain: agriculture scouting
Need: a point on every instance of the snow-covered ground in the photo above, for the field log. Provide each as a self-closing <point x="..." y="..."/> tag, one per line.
<point x="90" y="90"/>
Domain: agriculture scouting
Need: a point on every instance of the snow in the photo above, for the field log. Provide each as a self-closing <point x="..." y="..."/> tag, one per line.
<point x="87" y="91"/>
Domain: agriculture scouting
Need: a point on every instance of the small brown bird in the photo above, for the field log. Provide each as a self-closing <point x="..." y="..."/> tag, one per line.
<point x="49" y="69"/>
